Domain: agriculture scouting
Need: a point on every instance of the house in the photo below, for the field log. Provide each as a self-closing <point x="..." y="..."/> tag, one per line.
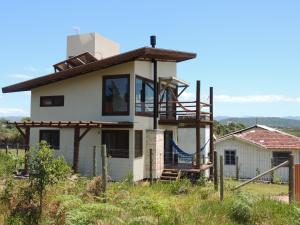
<point x="257" y="149"/>
<point x="99" y="95"/>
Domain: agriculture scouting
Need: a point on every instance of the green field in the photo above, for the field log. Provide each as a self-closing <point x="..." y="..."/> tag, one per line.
<point x="295" y="131"/>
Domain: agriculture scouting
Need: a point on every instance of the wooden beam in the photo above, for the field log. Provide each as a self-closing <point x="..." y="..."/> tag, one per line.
<point x="84" y="133"/>
<point x="76" y="149"/>
<point x="198" y="138"/>
<point x="21" y="132"/>
<point x="211" y="130"/>
<point x="26" y="143"/>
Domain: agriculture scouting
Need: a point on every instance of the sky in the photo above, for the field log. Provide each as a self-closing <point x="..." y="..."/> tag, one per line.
<point x="249" y="51"/>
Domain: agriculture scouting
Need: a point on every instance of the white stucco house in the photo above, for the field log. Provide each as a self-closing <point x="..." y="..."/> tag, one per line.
<point x="99" y="95"/>
<point x="258" y="149"/>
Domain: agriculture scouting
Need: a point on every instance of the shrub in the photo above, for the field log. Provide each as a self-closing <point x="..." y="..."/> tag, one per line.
<point x="7" y="165"/>
<point x="181" y="186"/>
<point x="241" y="208"/>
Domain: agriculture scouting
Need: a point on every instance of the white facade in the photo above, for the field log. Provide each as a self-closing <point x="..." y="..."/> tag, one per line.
<point x="252" y="159"/>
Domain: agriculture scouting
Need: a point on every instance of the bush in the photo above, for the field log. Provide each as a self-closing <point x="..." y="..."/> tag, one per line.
<point x="241" y="208"/>
<point x="181" y="186"/>
<point x="7" y="165"/>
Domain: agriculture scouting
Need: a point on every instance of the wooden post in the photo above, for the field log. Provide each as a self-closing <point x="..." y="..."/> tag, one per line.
<point x="198" y="138"/>
<point x="237" y="169"/>
<point x="291" y="179"/>
<point x="94" y="161"/>
<point x="215" y="171"/>
<point x="150" y="169"/>
<point x="76" y="149"/>
<point x="26" y="142"/>
<point x="221" y="178"/>
<point x="211" y="130"/>
<point x="6" y="149"/>
<point x="272" y="173"/>
<point x="17" y="149"/>
<point x="104" y="167"/>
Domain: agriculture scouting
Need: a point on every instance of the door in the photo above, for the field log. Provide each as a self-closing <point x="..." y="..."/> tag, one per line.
<point x="168" y="151"/>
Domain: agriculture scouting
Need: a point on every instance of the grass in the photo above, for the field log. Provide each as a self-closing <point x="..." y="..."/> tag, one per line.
<point x="71" y="202"/>
<point x="260" y="189"/>
<point x="293" y="131"/>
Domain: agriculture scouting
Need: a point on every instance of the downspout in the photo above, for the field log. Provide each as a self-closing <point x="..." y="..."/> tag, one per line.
<point x="155" y="113"/>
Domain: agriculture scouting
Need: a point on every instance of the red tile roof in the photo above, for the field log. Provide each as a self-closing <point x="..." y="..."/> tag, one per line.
<point x="267" y="138"/>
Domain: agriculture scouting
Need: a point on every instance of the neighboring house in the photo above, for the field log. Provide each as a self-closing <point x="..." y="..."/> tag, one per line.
<point x="101" y="96"/>
<point x="258" y="149"/>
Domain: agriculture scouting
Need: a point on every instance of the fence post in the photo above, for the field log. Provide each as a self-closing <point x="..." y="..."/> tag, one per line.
<point x="151" y="162"/>
<point x="6" y="149"/>
<point x="215" y="171"/>
<point x="237" y="170"/>
<point x="272" y="173"/>
<point x="291" y="179"/>
<point x="104" y="167"/>
<point x="17" y="149"/>
<point x="94" y="161"/>
<point x="221" y="178"/>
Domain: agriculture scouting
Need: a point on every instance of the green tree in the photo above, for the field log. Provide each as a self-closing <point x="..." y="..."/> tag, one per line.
<point x="45" y="169"/>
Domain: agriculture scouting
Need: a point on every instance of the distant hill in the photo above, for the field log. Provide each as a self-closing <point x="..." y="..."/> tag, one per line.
<point x="276" y="122"/>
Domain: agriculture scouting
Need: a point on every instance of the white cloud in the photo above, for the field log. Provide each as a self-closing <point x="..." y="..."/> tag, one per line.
<point x="21" y="76"/>
<point x="256" y="99"/>
<point x="13" y="112"/>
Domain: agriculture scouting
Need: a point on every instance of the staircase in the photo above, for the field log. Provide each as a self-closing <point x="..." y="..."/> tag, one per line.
<point x="170" y="175"/>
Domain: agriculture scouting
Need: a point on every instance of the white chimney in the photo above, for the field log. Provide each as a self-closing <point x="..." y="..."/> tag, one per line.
<point x="94" y="43"/>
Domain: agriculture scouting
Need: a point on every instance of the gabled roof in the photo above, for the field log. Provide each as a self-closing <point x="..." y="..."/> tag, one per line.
<point x="265" y="137"/>
<point x="145" y="53"/>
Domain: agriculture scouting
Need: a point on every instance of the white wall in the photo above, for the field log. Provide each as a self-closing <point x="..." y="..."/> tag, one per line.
<point x="252" y="160"/>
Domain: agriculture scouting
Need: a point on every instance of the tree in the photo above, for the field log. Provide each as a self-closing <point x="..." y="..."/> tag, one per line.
<point x="45" y="170"/>
<point x="223" y="129"/>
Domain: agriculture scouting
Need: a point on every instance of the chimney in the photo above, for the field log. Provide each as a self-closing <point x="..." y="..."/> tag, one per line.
<point x="99" y="46"/>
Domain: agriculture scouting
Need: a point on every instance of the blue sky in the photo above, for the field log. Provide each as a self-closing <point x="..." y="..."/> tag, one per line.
<point x="248" y="50"/>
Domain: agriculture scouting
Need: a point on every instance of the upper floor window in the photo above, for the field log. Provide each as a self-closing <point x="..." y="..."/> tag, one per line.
<point x="144" y="96"/>
<point x="46" y="101"/>
<point x="115" y="96"/>
<point x="51" y="137"/>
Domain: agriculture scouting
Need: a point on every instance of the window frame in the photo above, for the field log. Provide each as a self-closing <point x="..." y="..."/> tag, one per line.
<point x="232" y="162"/>
<point x="52" y="97"/>
<point x="138" y="150"/>
<point x="146" y="114"/>
<point x="104" y="111"/>
<point x="278" y="160"/>
<point x="56" y="147"/>
<point x="107" y="147"/>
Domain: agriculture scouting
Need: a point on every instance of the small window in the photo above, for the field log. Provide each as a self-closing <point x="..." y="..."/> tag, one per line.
<point x="115" y="97"/>
<point x="230" y="157"/>
<point x="51" y="137"/>
<point x="117" y="143"/>
<point x="47" y="101"/>
<point x="280" y="157"/>
<point x="138" y="143"/>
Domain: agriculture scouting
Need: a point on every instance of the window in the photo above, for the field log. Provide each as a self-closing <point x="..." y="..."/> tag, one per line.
<point x="138" y="143"/>
<point x="144" y="96"/>
<point x="46" y="101"/>
<point x="117" y="143"/>
<point x="51" y="137"/>
<point x="280" y="157"/>
<point x="230" y="157"/>
<point x="115" y="100"/>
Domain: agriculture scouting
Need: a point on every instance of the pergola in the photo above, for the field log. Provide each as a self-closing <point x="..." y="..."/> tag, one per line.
<point x="76" y="125"/>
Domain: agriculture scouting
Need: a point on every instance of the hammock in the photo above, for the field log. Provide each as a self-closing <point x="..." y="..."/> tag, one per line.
<point x="184" y="156"/>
